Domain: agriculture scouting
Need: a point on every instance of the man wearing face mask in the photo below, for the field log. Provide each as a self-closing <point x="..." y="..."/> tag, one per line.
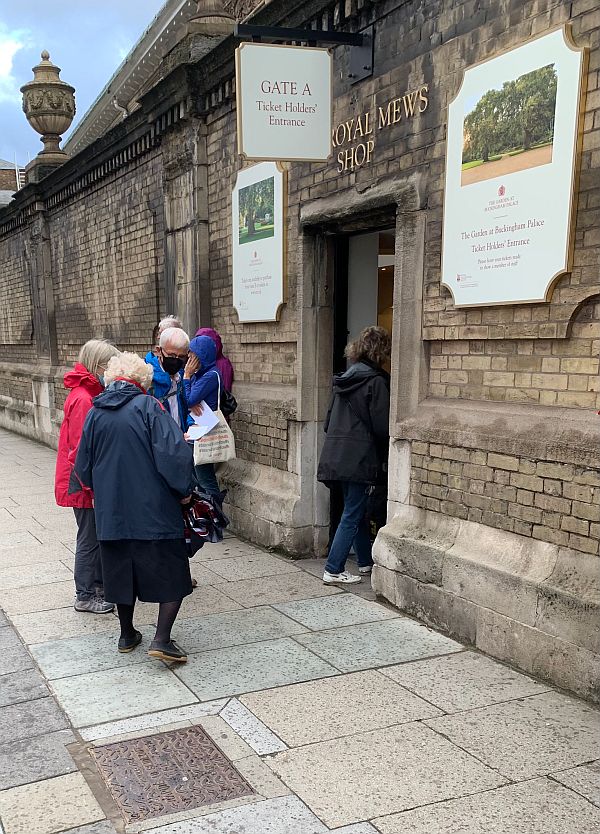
<point x="167" y="384"/>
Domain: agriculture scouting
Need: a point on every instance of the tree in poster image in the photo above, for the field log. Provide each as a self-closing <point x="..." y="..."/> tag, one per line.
<point x="513" y="119"/>
<point x="256" y="207"/>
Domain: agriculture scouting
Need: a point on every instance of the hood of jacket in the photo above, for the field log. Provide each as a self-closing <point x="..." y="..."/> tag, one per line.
<point x="212" y="334"/>
<point x="206" y="351"/>
<point x="355" y="377"/>
<point x="117" y="395"/>
<point x="80" y="376"/>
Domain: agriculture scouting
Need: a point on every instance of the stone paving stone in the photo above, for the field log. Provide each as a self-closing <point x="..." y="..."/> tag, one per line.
<point x="272" y="589"/>
<point x="33" y="759"/>
<point x="50" y="806"/>
<point x="22" y="686"/>
<point x="335" y="707"/>
<point x="377" y="644"/>
<point x="251" y="566"/>
<point x="120" y="693"/>
<point x="91" y="653"/>
<point x="380" y="772"/>
<point x="536" y="807"/>
<point x="36" y="556"/>
<point x="238" y="669"/>
<point x="585" y="780"/>
<point x="335" y="612"/>
<point x="206" y="600"/>
<point x="29" y="719"/>
<point x="15" y="657"/>
<point x="44" y="626"/>
<point x="103" y="827"/>
<point x="152" y="720"/>
<point x="527" y="738"/>
<point x="203" y="574"/>
<point x="3" y="621"/>
<point x="284" y="815"/>
<point x="463" y="681"/>
<point x="31" y="599"/>
<point x="261" y="777"/>
<point x="251" y="729"/>
<point x="247" y="625"/>
<point x="41" y="573"/>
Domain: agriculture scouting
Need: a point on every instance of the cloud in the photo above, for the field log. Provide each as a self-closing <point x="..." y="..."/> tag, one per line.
<point x="11" y="41"/>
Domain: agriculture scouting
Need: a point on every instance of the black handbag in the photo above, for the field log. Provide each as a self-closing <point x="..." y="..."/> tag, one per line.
<point x="228" y="403"/>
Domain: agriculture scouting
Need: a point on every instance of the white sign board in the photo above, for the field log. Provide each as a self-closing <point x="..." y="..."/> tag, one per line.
<point x="258" y="202"/>
<point x="283" y="102"/>
<point x="510" y="163"/>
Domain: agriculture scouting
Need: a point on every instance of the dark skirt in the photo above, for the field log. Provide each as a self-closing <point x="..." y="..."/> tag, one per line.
<point x="151" y="571"/>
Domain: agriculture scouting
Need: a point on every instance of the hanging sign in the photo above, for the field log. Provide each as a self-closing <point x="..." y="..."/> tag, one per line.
<point x="510" y="169"/>
<point x="258" y="242"/>
<point x="283" y="98"/>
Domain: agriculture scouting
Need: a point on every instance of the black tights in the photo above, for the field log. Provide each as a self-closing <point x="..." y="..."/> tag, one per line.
<point x="167" y="611"/>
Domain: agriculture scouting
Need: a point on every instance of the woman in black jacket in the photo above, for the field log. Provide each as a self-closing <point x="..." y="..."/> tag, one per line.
<point x="356" y="447"/>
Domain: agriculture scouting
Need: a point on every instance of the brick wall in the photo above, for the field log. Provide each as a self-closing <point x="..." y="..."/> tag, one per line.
<point x="16" y="317"/>
<point x="261" y="435"/>
<point x="8" y="179"/>
<point x="554" y="502"/>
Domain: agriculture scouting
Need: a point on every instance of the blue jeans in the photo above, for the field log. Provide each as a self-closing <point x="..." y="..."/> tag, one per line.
<point x="207" y="479"/>
<point x="352" y="529"/>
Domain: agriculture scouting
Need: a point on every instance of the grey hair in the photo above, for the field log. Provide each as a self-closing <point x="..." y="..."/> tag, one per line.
<point x="169" y="321"/>
<point x="96" y="353"/>
<point x="131" y="366"/>
<point x="174" y="336"/>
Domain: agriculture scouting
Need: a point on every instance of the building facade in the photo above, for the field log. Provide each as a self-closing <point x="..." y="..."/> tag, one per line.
<point x="494" y="492"/>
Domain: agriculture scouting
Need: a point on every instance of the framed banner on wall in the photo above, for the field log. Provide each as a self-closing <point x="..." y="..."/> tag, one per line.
<point x="258" y="223"/>
<point x="513" y="136"/>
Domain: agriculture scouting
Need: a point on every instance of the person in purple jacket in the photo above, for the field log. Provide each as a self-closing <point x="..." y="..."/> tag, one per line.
<point x="201" y="381"/>
<point x="224" y="366"/>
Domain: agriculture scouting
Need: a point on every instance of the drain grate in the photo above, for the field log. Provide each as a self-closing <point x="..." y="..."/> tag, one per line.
<point x="166" y="773"/>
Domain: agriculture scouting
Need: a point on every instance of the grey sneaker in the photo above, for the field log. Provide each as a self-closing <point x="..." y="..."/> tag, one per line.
<point x="94" y="605"/>
<point x="365" y="570"/>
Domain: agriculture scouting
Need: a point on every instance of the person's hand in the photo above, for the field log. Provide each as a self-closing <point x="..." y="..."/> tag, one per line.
<point x="191" y="366"/>
<point x="197" y="410"/>
<point x="186" y="500"/>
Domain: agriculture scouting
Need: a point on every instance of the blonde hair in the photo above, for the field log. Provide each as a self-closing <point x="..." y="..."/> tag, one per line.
<point x="373" y="344"/>
<point x="130" y="366"/>
<point x="96" y="353"/>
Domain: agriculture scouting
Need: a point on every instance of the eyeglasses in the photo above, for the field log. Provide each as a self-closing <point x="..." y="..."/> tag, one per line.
<point x="182" y="356"/>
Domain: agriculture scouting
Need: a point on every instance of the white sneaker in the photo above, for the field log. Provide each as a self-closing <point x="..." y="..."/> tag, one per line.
<point x="343" y="578"/>
<point x="365" y="570"/>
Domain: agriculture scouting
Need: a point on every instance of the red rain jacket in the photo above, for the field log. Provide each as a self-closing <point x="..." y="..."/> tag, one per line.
<point x="84" y="387"/>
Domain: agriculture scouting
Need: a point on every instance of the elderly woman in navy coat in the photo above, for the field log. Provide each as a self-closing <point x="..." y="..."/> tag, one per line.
<point x="134" y="457"/>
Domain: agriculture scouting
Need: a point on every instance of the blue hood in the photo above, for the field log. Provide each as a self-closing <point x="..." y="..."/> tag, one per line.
<point x="206" y="351"/>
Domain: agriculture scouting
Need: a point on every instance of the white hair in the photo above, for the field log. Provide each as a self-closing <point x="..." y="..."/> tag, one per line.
<point x="130" y="366"/>
<point x="169" y="321"/>
<point x="95" y="354"/>
<point x="176" y="337"/>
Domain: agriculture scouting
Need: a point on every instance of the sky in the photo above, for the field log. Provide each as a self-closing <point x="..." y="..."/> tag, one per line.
<point x="87" y="39"/>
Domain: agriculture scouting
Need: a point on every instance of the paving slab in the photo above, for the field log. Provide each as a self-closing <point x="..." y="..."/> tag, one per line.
<point x="536" y="807"/>
<point x="15" y="657"/>
<point x="44" y="626"/>
<point x="152" y="720"/>
<point x="30" y="718"/>
<point x="91" y="653"/>
<point x="49" y="806"/>
<point x="239" y="669"/>
<point x="120" y="693"/>
<point x="379" y="773"/>
<point x="335" y="707"/>
<point x="33" y="598"/>
<point x="17" y="687"/>
<point x="335" y="612"/>
<point x="104" y="827"/>
<point x="256" y="734"/>
<point x="283" y="815"/>
<point x="377" y="644"/>
<point x="3" y="621"/>
<point x="206" y="600"/>
<point x="463" y="681"/>
<point x="32" y="759"/>
<point x="40" y="573"/>
<point x="585" y="780"/>
<point x="527" y="738"/>
<point x="272" y="589"/>
<point x="252" y="566"/>
<point x="246" y="625"/>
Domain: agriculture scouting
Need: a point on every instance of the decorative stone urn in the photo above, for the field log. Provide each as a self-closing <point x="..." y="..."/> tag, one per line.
<point x="211" y="19"/>
<point x="49" y="105"/>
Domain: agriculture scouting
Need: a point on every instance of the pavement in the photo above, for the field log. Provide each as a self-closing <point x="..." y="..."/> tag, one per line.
<point x="302" y="709"/>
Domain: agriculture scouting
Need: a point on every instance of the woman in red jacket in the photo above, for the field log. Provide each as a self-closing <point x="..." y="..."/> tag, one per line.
<point x="85" y="381"/>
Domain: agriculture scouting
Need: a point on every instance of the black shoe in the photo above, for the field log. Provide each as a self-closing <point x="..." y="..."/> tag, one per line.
<point x="128" y="644"/>
<point x="167" y="651"/>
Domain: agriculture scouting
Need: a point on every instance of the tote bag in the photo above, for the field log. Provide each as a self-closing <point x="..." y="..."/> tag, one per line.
<point x="218" y="445"/>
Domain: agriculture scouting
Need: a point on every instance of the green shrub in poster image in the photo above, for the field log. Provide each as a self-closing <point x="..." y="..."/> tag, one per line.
<point x="510" y="128"/>
<point x="256" y="210"/>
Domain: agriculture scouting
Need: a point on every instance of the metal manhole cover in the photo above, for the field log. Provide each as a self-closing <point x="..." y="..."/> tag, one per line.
<point x="163" y="774"/>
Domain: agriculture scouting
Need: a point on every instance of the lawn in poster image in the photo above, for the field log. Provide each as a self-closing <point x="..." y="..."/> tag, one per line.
<point x="256" y="208"/>
<point x="510" y="128"/>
